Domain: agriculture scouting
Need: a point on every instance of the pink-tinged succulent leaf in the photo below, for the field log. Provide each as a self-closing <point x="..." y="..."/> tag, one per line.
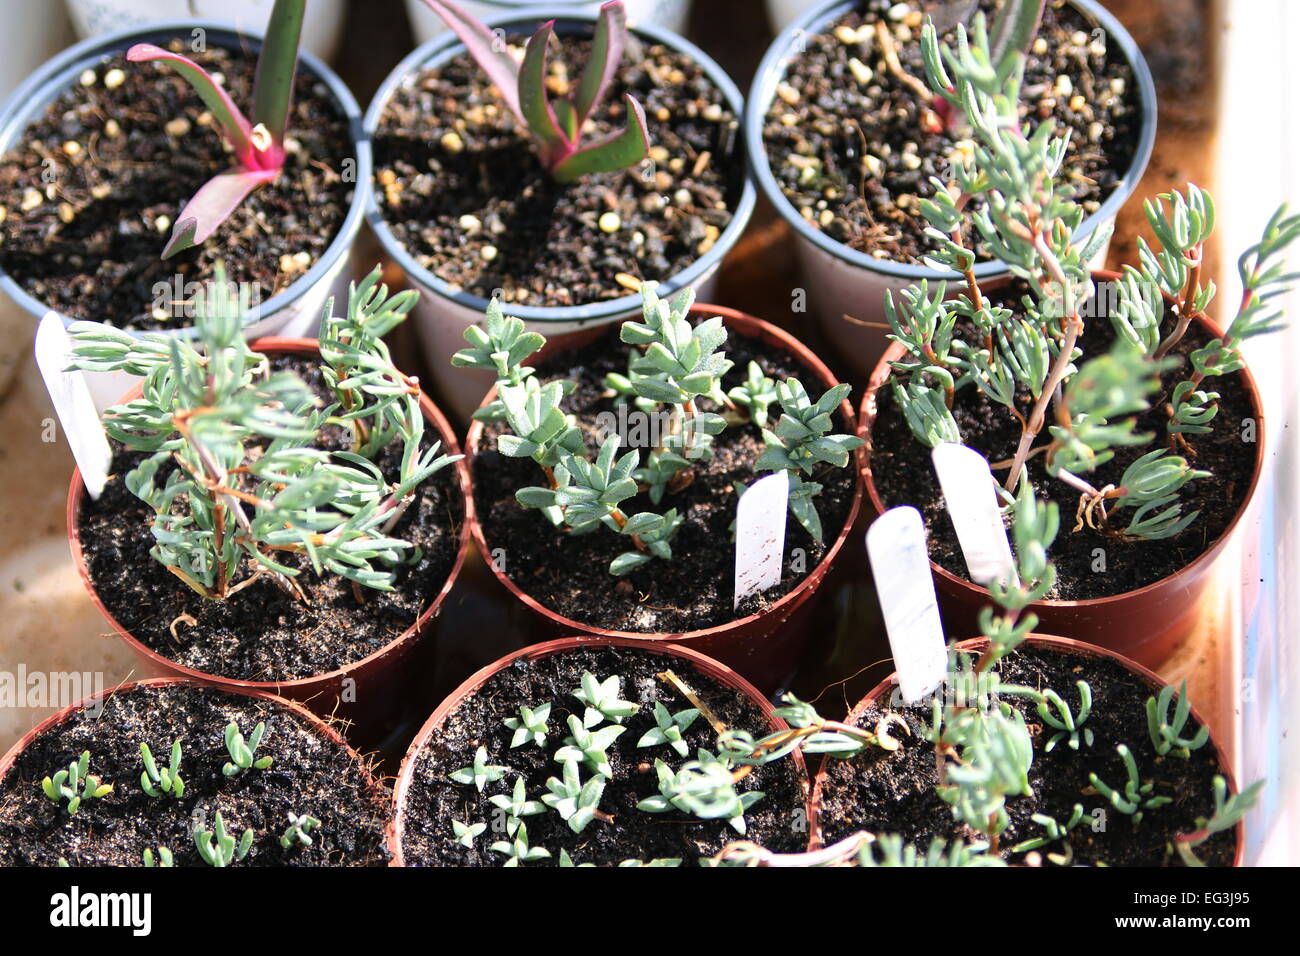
<point x="212" y="205"/>
<point x="535" y="101"/>
<point x="606" y="56"/>
<point x="616" y="151"/>
<point x="218" y="101"/>
<point x="276" y="65"/>
<point x="487" y="50"/>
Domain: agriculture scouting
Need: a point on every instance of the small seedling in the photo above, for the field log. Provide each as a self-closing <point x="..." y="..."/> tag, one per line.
<point x="518" y="851"/>
<point x="589" y="746"/>
<point x="704" y="787"/>
<point x="1053" y="831"/>
<point x="576" y="802"/>
<point x="516" y="806"/>
<point x="467" y="833"/>
<point x="163" y="858"/>
<point x="155" y="781"/>
<point x="299" y="829"/>
<point x="1136" y="797"/>
<point x="242" y="752"/>
<point x="669" y="728"/>
<point x="602" y="700"/>
<point x="557" y="123"/>
<point x="75" y="784"/>
<point x="1228" y="812"/>
<point x="1166" y="734"/>
<point x="219" y="848"/>
<point x="1069" y="726"/>
<point x="480" y="773"/>
<point x="529" y="726"/>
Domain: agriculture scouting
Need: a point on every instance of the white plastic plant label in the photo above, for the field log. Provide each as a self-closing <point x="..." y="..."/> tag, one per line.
<point x="970" y="492"/>
<point x="72" y="403"/>
<point x="900" y="564"/>
<point x="760" y="535"/>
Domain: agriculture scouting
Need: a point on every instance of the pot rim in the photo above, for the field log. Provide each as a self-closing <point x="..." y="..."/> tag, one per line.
<point x="1065" y="645"/>
<point x="706" y="665"/>
<point x="772" y="70"/>
<point x="62" y="716"/>
<point x="756" y="328"/>
<point x="59" y="73"/>
<point x="867" y="418"/>
<point x="432" y="415"/>
<point x="441" y="48"/>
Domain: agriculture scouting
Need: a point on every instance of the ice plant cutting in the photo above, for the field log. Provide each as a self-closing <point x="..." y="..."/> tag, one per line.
<point x="1029" y="359"/>
<point x="672" y="364"/>
<point x="258" y="143"/>
<point x="557" y="123"/>
<point x="236" y="464"/>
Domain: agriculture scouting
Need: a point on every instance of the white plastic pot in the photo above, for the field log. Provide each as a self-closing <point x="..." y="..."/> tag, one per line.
<point x="845" y="282"/>
<point x="321" y="27"/>
<point x="782" y="13"/>
<point x="443" y="313"/>
<point x="295" y="311"/>
<point x="425" y="24"/>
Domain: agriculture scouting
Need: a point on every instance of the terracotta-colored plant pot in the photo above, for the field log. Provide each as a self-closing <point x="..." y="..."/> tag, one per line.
<point x="368" y="693"/>
<point x="318" y="725"/>
<point x="1063" y="645"/>
<point x="705" y="665"/>
<point x="1147" y="624"/>
<point x="764" y="646"/>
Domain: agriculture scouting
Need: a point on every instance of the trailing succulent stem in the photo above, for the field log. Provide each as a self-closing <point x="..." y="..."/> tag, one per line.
<point x="1027" y="358"/>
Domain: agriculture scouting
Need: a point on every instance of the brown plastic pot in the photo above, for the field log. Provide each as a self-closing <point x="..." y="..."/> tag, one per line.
<point x="1147" y="624"/>
<point x="319" y="726"/>
<point x="367" y="693"/>
<point x="702" y="663"/>
<point x="765" y="646"/>
<point x="1062" y="645"/>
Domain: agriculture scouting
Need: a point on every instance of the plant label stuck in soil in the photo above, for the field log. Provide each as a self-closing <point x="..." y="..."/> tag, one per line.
<point x="970" y="492"/>
<point x="760" y="535"/>
<point x="900" y="564"/>
<point x="72" y="402"/>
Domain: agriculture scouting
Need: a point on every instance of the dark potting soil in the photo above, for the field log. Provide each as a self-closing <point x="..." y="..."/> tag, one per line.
<point x="885" y="792"/>
<point x="904" y="474"/>
<point x="90" y="193"/>
<point x="433" y="801"/>
<point x="569" y="574"/>
<point x="464" y="193"/>
<point x="855" y="157"/>
<point x="308" y="774"/>
<point x="261" y="633"/>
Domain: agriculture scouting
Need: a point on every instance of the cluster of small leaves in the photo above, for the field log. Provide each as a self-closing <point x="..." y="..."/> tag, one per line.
<point x="529" y="726"/>
<point x="1053" y="831"/>
<point x="1068" y="724"/>
<point x="298" y="832"/>
<point x="232" y="472"/>
<point x="669" y="728"/>
<point x="1228" y="812"/>
<point x="157" y="781"/>
<point x="704" y="787"/>
<point x="993" y="751"/>
<point x="217" y="847"/>
<point x="895" y="852"/>
<point x="75" y="785"/>
<point x="480" y="773"/>
<point x="803" y="442"/>
<point x="1134" y="796"/>
<point x="1167" y="732"/>
<point x="809" y="733"/>
<point x="243" y="752"/>
<point x="672" y="363"/>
